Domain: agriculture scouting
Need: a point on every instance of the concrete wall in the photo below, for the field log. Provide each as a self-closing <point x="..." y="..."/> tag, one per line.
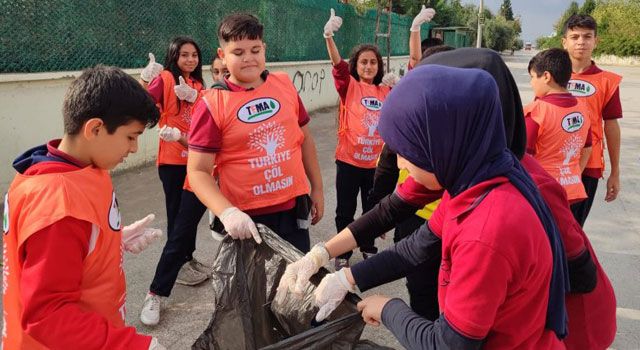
<point x="31" y="105"/>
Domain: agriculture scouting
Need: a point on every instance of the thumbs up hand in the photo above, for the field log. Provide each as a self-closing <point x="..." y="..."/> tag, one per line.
<point x="185" y="92"/>
<point x="425" y="15"/>
<point x="333" y="24"/>
<point x="152" y="69"/>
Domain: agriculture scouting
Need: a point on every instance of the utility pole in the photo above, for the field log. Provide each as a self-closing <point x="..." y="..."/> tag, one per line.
<point x="480" y="24"/>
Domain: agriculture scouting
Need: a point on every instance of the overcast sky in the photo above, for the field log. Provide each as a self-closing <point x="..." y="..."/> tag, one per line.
<point x="538" y="16"/>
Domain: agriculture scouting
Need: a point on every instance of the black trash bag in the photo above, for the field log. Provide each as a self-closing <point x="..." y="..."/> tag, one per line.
<point x="245" y="278"/>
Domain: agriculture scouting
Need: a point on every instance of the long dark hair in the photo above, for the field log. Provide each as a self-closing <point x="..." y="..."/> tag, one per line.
<point x="173" y="53"/>
<point x="353" y="62"/>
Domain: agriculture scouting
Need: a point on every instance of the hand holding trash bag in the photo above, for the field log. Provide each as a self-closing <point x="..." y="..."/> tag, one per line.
<point x="239" y="225"/>
<point x="331" y="292"/>
<point x="296" y="276"/>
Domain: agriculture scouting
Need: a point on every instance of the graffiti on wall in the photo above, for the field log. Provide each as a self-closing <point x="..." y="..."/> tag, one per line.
<point x="309" y="81"/>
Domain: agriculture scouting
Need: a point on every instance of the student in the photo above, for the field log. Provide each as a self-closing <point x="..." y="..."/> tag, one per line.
<point x="503" y="272"/>
<point x="361" y="97"/>
<point x="592" y="311"/>
<point x="558" y="134"/>
<point x="218" y="69"/>
<point x="175" y="88"/>
<point x="600" y="89"/>
<point x="255" y="125"/>
<point x="64" y="283"/>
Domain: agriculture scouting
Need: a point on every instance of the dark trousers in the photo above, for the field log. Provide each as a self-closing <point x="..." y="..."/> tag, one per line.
<point x="172" y="177"/>
<point x="349" y="181"/>
<point x="180" y="245"/>
<point x="422" y="285"/>
<point x="285" y="224"/>
<point x="581" y="210"/>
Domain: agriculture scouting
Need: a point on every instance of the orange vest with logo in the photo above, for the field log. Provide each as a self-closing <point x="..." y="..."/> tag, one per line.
<point x="35" y="202"/>
<point x="562" y="134"/>
<point x="260" y="160"/>
<point x="359" y="143"/>
<point x="596" y="90"/>
<point x="177" y="115"/>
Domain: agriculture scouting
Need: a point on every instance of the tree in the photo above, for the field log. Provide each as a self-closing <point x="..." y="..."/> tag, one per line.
<point x="498" y="34"/>
<point x="506" y="11"/>
<point x="570" y="11"/>
<point x="588" y="7"/>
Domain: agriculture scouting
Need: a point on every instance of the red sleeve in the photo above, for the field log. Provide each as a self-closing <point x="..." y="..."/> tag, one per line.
<point x="414" y="193"/>
<point x="50" y="289"/>
<point x="436" y="219"/>
<point x="156" y="89"/>
<point x="613" y="108"/>
<point x="532" y="133"/>
<point x="478" y="284"/>
<point x="341" y="78"/>
<point x="303" y="116"/>
<point x="589" y="141"/>
<point x="204" y="134"/>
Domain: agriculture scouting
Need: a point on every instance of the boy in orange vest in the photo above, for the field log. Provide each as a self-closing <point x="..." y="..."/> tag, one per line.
<point x="558" y="134"/>
<point x="600" y="89"/>
<point x="64" y="286"/>
<point x="253" y="128"/>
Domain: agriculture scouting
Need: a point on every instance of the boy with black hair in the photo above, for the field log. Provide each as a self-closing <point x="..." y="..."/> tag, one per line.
<point x="64" y="286"/>
<point x="558" y="123"/>
<point x="600" y="89"/>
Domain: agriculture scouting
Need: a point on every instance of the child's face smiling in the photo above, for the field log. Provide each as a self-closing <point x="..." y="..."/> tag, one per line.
<point x="245" y="59"/>
<point x="188" y="58"/>
<point x="367" y="66"/>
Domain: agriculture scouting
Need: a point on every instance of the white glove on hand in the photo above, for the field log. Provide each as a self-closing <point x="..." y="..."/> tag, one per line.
<point x="425" y="15"/>
<point x="185" y="92"/>
<point x="169" y="133"/>
<point x="296" y="277"/>
<point x="152" y="69"/>
<point x="390" y="79"/>
<point x="137" y="237"/>
<point x="154" y="345"/>
<point x="331" y="292"/>
<point x="333" y="24"/>
<point x="239" y="225"/>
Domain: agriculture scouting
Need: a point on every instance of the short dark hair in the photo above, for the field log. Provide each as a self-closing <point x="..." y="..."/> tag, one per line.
<point x="436" y="49"/>
<point x="555" y="61"/>
<point x="430" y="42"/>
<point x="580" y="21"/>
<point x="239" y="26"/>
<point x="173" y="54"/>
<point x="215" y="57"/>
<point x="110" y="94"/>
<point x="353" y="62"/>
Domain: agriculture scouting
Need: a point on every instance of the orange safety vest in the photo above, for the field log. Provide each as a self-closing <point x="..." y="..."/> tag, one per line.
<point x="177" y="116"/>
<point x="359" y="143"/>
<point x="596" y="90"/>
<point x="562" y="134"/>
<point x="35" y="202"/>
<point x="260" y="160"/>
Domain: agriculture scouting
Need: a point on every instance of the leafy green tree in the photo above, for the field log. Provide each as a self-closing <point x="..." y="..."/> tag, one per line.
<point x="506" y="11"/>
<point x="498" y="34"/>
<point x="588" y="7"/>
<point x="570" y="11"/>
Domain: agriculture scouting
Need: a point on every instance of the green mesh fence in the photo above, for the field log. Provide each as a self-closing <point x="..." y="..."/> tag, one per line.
<point x="59" y="35"/>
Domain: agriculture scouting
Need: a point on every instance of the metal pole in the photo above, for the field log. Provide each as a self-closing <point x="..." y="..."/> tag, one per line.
<point x="480" y="23"/>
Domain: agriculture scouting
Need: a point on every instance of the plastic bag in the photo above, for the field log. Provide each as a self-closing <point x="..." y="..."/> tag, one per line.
<point x="245" y="278"/>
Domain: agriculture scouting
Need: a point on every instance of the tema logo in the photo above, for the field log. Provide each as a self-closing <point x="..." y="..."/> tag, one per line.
<point x="115" y="220"/>
<point x="5" y="215"/>
<point x="371" y="103"/>
<point x="580" y="88"/>
<point x="258" y="110"/>
<point x="572" y="122"/>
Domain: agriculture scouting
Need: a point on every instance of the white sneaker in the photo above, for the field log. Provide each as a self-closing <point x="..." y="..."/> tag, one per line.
<point x="189" y="276"/>
<point x="150" y="314"/>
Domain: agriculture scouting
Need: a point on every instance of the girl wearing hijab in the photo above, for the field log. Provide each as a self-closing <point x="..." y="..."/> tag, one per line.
<point x="503" y="271"/>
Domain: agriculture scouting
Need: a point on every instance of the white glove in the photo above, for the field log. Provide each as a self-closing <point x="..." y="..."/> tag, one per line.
<point x="137" y="237"/>
<point x="152" y="69"/>
<point x="390" y="79"/>
<point x="296" y="277"/>
<point x="154" y="345"/>
<point x="425" y="15"/>
<point x="239" y="225"/>
<point x="169" y="133"/>
<point x="185" y="92"/>
<point x="331" y="292"/>
<point x="333" y="24"/>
